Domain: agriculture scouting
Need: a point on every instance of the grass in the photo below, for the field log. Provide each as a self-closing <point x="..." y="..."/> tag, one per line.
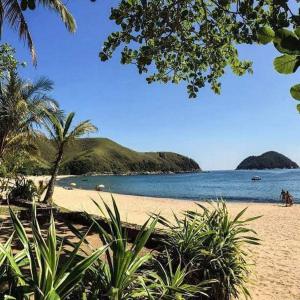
<point x="105" y="155"/>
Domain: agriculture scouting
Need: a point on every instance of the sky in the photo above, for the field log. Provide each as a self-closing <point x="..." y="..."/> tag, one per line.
<point x="253" y="114"/>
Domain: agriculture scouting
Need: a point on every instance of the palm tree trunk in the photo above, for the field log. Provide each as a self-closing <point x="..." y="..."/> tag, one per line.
<point x="50" y="189"/>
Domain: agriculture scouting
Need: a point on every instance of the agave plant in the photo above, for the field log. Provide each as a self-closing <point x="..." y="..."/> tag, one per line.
<point x="166" y="282"/>
<point x="115" y="277"/>
<point x="51" y="275"/>
<point x="213" y="245"/>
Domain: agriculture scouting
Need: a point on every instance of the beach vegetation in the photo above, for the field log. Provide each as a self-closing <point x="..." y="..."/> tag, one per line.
<point x="38" y="269"/>
<point x="62" y="133"/>
<point x="117" y="276"/>
<point x="12" y="15"/>
<point x="23" y="189"/>
<point x="22" y="107"/>
<point x="211" y="245"/>
<point x="207" y="260"/>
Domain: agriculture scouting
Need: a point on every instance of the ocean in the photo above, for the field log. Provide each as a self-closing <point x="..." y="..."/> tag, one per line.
<point x="229" y="185"/>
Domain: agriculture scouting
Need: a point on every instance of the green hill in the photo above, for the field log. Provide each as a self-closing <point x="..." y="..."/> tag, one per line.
<point x="102" y="155"/>
<point x="268" y="160"/>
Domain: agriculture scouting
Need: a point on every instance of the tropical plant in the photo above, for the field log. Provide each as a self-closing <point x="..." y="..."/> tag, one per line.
<point x="62" y="134"/>
<point x="213" y="246"/>
<point x="115" y="278"/>
<point x="11" y="12"/>
<point x="24" y="189"/>
<point x="169" y="282"/>
<point x="191" y="40"/>
<point x="22" y="106"/>
<point x="286" y="42"/>
<point x="51" y="275"/>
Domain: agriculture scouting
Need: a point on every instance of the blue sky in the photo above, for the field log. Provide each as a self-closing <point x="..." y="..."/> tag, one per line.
<point x="253" y="114"/>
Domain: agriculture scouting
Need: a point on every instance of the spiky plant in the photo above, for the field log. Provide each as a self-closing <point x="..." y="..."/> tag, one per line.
<point x="167" y="282"/>
<point x="47" y="274"/>
<point x="114" y="278"/>
<point x="215" y="246"/>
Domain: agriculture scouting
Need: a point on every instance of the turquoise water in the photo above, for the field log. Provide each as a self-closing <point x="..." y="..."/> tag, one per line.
<point x="231" y="185"/>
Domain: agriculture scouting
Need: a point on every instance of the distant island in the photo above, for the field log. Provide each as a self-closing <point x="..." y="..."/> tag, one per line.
<point x="104" y="156"/>
<point x="268" y="160"/>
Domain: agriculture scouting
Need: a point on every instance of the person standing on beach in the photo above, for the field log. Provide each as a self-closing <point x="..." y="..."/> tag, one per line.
<point x="282" y="196"/>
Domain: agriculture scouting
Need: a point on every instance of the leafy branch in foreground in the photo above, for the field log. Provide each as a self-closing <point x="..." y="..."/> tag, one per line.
<point x="190" y="40"/>
<point x="286" y="42"/>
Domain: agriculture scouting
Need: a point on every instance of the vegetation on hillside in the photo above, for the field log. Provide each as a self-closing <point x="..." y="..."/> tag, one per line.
<point x="268" y="160"/>
<point x="105" y="156"/>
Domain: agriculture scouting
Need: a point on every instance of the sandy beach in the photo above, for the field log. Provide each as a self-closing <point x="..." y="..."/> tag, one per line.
<point x="276" y="275"/>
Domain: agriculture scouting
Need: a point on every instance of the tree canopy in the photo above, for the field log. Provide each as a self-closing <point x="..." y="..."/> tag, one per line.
<point x="191" y="40"/>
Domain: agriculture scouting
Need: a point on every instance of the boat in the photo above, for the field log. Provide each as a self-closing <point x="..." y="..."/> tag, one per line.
<point x="255" y="178"/>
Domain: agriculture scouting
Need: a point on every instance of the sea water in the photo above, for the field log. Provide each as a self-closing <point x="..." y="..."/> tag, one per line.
<point x="229" y="185"/>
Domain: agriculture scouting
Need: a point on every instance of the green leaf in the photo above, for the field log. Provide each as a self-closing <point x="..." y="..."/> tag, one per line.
<point x="265" y="35"/>
<point x="287" y="42"/>
<point x="286" y="64"/>
<point x="297" y="32"/>
<point x="295" y="92"/>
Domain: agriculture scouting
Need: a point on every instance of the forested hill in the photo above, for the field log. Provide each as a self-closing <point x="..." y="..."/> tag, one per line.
<point x="268" y="160"/>
<point x="102" y="155"/>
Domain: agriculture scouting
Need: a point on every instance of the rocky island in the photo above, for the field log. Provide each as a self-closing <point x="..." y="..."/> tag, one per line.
<point x="268" y="160"/>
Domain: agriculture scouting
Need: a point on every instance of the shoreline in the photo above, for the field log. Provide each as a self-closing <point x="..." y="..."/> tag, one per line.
<point x="276" y="274"/>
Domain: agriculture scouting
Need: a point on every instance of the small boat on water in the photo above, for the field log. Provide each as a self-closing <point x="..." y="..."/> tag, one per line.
<point x="255" y="178"/>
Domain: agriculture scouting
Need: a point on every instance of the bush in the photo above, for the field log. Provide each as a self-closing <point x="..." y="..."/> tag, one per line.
<point x="204" y="258"/>
<point x="23" y="189"/>
<point x="212" y="245"/>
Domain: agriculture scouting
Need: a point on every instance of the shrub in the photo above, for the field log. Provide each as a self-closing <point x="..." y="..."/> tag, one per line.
<point x="50" y="276"/>
<point x="115" y="277"/>
<point x="24" y="189"/>
<point x="212" y="245"/>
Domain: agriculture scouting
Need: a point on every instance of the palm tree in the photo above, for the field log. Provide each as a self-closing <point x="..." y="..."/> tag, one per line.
<point x="11" y="11"/>
<point x="22" y="107"/>
<point x="60" y="131"/>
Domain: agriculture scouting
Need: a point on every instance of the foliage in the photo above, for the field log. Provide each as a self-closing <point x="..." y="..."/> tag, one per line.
<point x="22" y="106"/>
<point x="169" y="282"/>
<point x="190" y="40"/>
<point x="23" y="189"/>
<point x="8" y="62"/>
<point x="11" y="13"/>
<point x="60" y="131"/>
<point x="115" y="277"/>
<point x="204" y="256"/>
<point x="212" y="245"/>
<point x="104" y="155"/>
<point x="286" y="42"/>
<point x="49" y="276"/>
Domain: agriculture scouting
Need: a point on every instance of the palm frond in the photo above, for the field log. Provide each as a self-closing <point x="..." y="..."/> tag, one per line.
<point x="61" y="9"/>
<point x="14" y="15"/>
